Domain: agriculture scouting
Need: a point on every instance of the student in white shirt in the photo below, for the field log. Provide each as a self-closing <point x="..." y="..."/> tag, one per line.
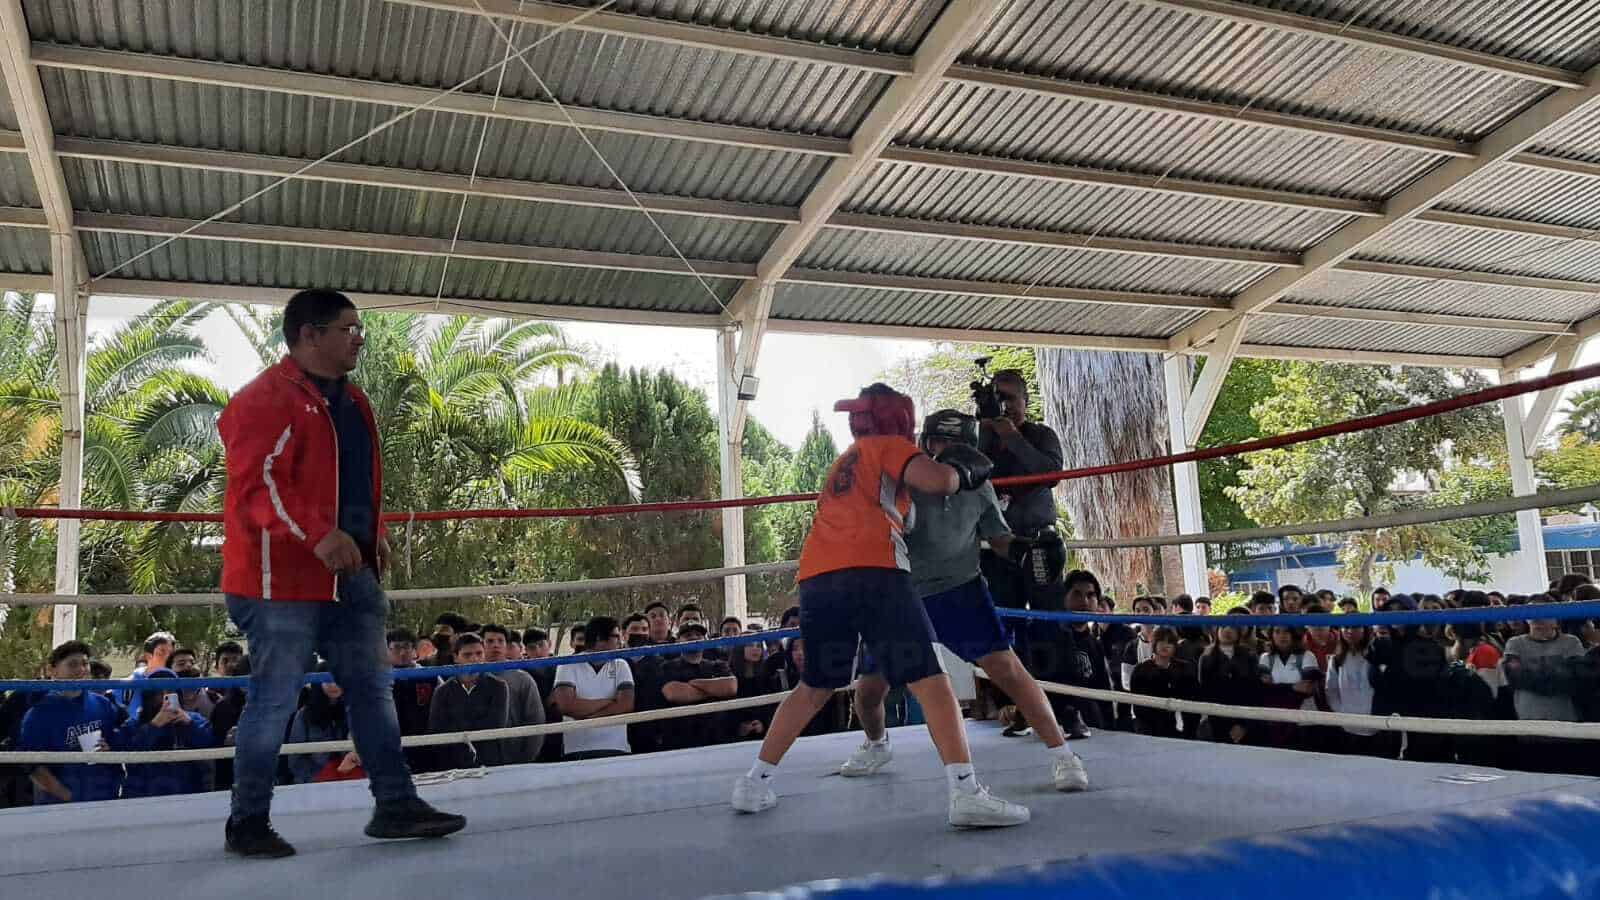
<point x="593" y="690"/>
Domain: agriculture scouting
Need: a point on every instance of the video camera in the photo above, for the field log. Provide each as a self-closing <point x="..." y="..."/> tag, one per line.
<point x="984" y="395"/>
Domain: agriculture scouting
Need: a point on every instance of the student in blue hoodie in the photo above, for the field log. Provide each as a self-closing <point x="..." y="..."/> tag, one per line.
<point x="163" y="724"/>
<point x="61" y="722"/>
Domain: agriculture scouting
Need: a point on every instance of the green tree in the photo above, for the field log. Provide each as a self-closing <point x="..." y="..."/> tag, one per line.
<point x="1583" y="414"/>
<point x="1356" y="474"/>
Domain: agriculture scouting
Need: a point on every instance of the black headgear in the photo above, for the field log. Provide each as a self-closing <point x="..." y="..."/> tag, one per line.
<point x="950" y="425"/>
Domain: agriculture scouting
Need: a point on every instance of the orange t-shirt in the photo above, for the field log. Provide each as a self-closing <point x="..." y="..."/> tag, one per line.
<point x="863" y="510"/>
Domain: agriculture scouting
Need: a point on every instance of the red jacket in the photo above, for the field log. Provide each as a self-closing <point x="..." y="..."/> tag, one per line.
<point x="283" y="485"/>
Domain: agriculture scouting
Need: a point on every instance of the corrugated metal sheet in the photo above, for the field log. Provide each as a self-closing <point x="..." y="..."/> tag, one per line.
<point x="1358" y="289"/>
<point x="1562" y="33"/>
<point x="1013" y="124"/>
<point x="892" y="26"/>
<point x="189" y="115"/>
<point x="393" y="42"/>
<point x="855" y="251"/>
<point x="1128" y="44"/>
<point x="916" y="309"/>
<point x="1425" y="243"/>
<point x="16" y="181"/>
<point x="952" y="196"/>
<point x="194" y="194"/>
<point x="265" y="265"/>
<point x="1535" y="195"/>
<point x="1576" y="138"/>
<point x="25" y="250"/>
<point x="1343" y="334"/>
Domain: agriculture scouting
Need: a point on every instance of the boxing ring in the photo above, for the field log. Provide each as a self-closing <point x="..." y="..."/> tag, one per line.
<point x="659" y="826"/>
<point x="1209" y="819"/>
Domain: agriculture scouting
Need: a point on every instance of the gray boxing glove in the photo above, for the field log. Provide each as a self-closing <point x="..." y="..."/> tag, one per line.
<point x="971" y="465"/>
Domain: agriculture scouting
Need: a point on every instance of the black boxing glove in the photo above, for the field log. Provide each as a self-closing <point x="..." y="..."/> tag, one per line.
<point x="971" y="466"/>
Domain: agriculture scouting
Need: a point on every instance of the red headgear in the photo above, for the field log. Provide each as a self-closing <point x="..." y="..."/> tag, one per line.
<point x="880" y="410"/>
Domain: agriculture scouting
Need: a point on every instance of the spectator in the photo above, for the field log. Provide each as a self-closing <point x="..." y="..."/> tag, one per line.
<point x="1380" y="598"/>
<point x="1349" y="686"/>
<point x="515" y="650"/>
<point x="1229" y="674"/>
<point x="98" y="671"/>
<point x="577" y="639"/>
<point x="691" y="678"/>
<point x="226" y="655"/>
<point x="1349" y="606"/>
<point x="1163" y="675"/>
<point x="1070" y="653"/>
<point x="71" y="721"/>
<point x="1322" y="641"/>
<point x="1263" y="603"/>
<point x="1202" y="606"/>
<point x="225" y="720"/>
<point x="470" y="703"/>
<point x="690" y="612"/>
<point x="1140" y="649"/>
<point x="1496" y="598"/>
<point x="1182" y="605"/>
<point x="636" y="629"/>
<point x="1291" y="600"/>
<point x="163" y="724"/>
<point x="659" y="620"/>
<point x="451" y="624"/>
<point x="1411" y="671"/>
<point x="537" y="643"/>
<point x="732" y="627"/>
<point x="1290" y="678"/>
<point x="594" y="690"/>
<point x="198" y="700"/>
<point x="750" y="670"/>
<point x="526" y="704"/>
<point x="1328" y="600"/>
<point x="183" y="658"/>
<point x="413" y="698"/>
<point x="1540" y="667"/>
<point x="156" y="653"/>
<point x="442" y="642"/>
<point x="1435" y="633"/>
<point x="321" y="717"/>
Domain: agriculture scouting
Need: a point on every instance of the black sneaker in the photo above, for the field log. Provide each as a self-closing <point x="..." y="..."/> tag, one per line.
<point x="1080" y="731"/>
<point x="413" y="819"/>
<point x="253" y="836"/>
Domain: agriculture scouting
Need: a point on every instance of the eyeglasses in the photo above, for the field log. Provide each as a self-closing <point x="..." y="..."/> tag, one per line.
<point x="351" y="330"/>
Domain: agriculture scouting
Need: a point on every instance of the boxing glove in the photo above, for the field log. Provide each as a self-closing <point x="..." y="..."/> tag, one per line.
<point x="972" y="466"/>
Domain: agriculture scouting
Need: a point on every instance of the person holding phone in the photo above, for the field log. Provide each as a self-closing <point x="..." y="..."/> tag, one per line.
<point x="163" y="724"/>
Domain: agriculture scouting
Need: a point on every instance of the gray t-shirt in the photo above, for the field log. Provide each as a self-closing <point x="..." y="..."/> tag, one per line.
<point x="1540" y="659"/>
<point x="944" y="540"/>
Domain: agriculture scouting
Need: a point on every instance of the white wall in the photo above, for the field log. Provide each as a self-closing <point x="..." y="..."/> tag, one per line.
<point x="1414" y="578"/>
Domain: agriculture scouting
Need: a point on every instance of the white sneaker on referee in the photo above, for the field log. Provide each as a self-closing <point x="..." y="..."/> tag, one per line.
<point x="981" y="809"/>
<point x="752" y="796"/>
<point x="868" y="759"/>
<point x="1067" y="771"/>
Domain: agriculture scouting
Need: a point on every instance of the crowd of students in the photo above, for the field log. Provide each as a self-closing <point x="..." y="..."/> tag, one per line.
<point x="1538" y="669"/>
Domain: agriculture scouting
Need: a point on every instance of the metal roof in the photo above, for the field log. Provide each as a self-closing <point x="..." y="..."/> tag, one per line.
<point x="1088" y="173"/>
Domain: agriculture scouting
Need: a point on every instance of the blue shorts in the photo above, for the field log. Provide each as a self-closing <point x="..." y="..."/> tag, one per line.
<point x="964" y="620"/>
<point x="841" y="612"/>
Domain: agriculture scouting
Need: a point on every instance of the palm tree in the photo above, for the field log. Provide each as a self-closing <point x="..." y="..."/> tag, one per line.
<point x="1583" y="414"/>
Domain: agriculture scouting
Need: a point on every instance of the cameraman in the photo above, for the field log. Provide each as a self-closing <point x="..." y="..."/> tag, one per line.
<point x="1031" y="576"/>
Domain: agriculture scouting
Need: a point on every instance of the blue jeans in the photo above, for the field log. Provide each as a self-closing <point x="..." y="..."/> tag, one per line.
<point x="284" y="638"/>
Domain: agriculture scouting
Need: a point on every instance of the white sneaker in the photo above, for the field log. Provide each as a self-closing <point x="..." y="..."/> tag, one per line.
<point x="867" y="760"/>
<point x="751" y="796"/>
<point x="984" y="810"/>
<point x="1069" y="774"/>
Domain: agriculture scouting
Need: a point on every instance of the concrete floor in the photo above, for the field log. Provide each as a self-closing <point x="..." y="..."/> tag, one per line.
<point x="659" y="827"/>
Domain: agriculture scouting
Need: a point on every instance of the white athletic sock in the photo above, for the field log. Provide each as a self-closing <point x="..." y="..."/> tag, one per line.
<point x="1063" y="751"/>
<point x="880" y="742"/>
<point x="961" y="778"/>
<point x="761" y="771"/>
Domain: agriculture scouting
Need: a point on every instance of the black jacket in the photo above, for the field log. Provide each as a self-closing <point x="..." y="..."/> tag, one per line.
<point x="1177" y="681"/>
<point x="453" y="708"/>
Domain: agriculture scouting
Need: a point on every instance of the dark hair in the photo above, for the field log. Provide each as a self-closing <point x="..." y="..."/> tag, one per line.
<point x="514" y="636"/>
<point x="99" y="671"/>
<point x="1012" y="376"/>
<point x="1473" y="599"/>
<point x="534" y="636"/>
<point x="734" y="619"/>
<point x="688" y="627"/>
<point x="400" y="636"/>
<point x="1164" y="633"/>
<point x="1285" y="588"/>
<point x="1238" y="611"/>
<point x="177" y="651"/>
<point x="455" y="621"/>
<point x="1326" y="594"/>
<point x="70" y="648"/>
<point x="1183" y="602"/>
<point x="1079" y="576"/>
<point x="689" y="607"/>
<point x="1585" y="592"/>
<point x="227" y="647"/>
<point x="317" y="307"/>
<point x="1345" y="646"/>
<point x="657" y="604"/>
<point x="791" y="612"/>
<point x="1381" y="590"/>
<point x="598" y="629"/>
<point x="157" y="639"/>
<point x="492" y="628"/>
<point x="636" y="617"/>
<point x="466" y="639"/>
<point x="1349" y="601"/>
<point x="1260" y="597"/>
<point x="320" y="710"/>
<point x="1569" y="583"/>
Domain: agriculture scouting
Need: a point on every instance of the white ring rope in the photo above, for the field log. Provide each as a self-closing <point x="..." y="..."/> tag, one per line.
<point x="1589" y="731"/>
<point x="1569" y="497"/>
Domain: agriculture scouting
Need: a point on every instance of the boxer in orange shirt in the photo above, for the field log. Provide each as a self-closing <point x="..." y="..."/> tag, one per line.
<point x="856" y="588"/>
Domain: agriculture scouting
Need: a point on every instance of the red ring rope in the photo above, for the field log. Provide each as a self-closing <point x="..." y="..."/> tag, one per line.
<point x="1393" y="417"/>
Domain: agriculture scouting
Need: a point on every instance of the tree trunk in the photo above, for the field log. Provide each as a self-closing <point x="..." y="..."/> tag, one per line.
<point x="1110" y="408"/>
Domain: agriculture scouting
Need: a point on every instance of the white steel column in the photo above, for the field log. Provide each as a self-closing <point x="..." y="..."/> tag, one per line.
<point x="71" y="325"/>
<point x="1530" y="573"/>
<point x="1185" y="476"/>
<point x="731" y="444"/>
